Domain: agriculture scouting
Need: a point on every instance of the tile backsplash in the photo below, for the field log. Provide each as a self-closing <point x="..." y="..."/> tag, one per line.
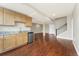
<point x="16" y="28"/>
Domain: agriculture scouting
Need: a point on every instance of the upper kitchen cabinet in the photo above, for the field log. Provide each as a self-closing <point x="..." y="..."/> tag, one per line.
<point x="9" y="17"/>
<point x="1" y="16"/>
<point x="18" y="17"/>
<point x="28" y="21"/>
<point x="24" y="19"/>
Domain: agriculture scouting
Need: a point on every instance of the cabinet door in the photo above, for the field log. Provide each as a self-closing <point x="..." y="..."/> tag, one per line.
<point x="18" y="17"/>
<point x="9" y="17"/>
<point x="28" y="21"/>
<point x="9" y="42"/>
<point x="1" y="44"/>
<point x="19" y="40"/>
<point x="1" y="16"/>
<point x="25" y="37"/>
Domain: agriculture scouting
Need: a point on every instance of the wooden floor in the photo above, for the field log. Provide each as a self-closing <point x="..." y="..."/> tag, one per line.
<point x="44" y="46"/>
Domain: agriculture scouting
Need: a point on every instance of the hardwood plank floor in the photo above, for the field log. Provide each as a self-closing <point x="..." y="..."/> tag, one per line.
<point x="44" y="46"/>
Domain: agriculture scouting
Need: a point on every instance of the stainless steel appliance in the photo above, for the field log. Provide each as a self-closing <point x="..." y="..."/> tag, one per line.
<point x="30" y="37"/>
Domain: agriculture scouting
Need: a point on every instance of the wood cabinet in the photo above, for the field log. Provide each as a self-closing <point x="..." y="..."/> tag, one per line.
<point x="21" y="39"/>
<point x="24" y="37"/>
<point x="1" y="43"/>
<point x="12" y="41"/>
<point x="9" y="42"/>
<point x="18" y="17"/>
<point x="6" y="17"/>
<point x="9" y="17"/>
<point x="28" y="21"/>
<point x="24" y="19"/>
<point x="1" y="16"/>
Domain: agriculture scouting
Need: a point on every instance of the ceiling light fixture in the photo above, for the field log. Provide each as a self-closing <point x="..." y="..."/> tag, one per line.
<point x="53" y="14"/>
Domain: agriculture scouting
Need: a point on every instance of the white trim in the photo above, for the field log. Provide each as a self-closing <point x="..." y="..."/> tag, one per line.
<point x="75" y="48"/>
<point x="64" y="38"/>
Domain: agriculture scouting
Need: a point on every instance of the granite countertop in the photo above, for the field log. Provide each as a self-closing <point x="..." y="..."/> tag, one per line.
<point x="8" y="33"/>
<point x="11" y="32"/>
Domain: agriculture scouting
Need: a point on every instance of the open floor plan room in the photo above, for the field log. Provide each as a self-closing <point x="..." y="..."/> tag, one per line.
<point x="39" y="29"/>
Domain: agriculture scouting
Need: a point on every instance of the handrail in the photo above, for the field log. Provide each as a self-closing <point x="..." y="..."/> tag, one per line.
<point x="60" y="28"/>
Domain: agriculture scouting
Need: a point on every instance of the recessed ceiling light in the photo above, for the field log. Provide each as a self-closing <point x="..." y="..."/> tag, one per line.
<point x="53" y="14"/>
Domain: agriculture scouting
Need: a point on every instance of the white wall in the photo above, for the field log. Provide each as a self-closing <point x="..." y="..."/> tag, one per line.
<point x="37" y="28"/>
<point x="46" y="28"/>
<point x="69" y="33"/>
<point x="49" y="28"/>
<point x="70" y="27"/>
<point x="76" y="28"/>
<point x="60" y="21"/>
<point x="52" y="29"/>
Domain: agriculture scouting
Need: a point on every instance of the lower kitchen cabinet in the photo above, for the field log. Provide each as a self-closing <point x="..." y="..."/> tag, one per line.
<point x="24" y="37"/>
<point x="9" y="42"/>
<point x="20" y="39"/>
<point x="1" y="43"/>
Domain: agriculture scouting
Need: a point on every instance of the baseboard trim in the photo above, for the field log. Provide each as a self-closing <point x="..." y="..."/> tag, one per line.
<point x="75" y="48"/>
<point x="7" y="50"/>
<point x="63" y="38"/>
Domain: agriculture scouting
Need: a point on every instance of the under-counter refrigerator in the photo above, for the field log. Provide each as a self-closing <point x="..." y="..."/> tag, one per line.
<point x="30" y="37"/>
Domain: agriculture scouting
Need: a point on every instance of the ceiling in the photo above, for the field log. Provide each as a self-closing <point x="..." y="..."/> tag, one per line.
<point x="55" y="10"/>
<point x="41" y="12"/>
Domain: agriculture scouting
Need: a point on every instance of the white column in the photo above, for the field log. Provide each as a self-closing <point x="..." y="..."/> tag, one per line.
<point x="43" y="29"/>
<point x="52" y="29"/>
